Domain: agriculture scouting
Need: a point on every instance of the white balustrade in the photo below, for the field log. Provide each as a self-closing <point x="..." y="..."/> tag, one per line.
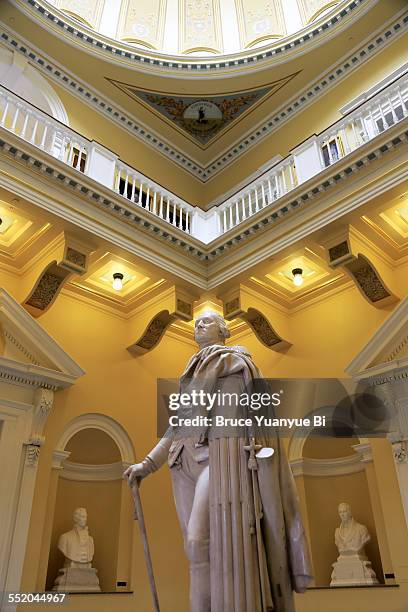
<point x="370" y="118"/>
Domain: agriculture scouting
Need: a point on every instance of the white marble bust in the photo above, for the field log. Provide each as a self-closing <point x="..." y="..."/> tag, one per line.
<point x="350" y="536"/>
<point x="77" y="545"/>
<point x="352" y="566"/>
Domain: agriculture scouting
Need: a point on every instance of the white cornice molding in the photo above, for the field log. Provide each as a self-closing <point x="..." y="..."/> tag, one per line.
<point x="58" y="458"/>
<point x="340" y="466"/>
<point x="92" y="472"/>
<point x="393" y="334"/>
<point x="59" y="371"/>
<point x="107" y="108"/>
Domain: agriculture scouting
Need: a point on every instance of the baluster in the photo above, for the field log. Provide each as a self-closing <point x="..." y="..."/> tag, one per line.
<point x="132" y="195"/>
<point x="345" y="140"/>
<point x="175" y="213"/>
<point x="380" y="108"/>
<point x="292" y="177"/>
<point x="78" y="163"/>
<point x="52" y="144"/>
<point x="180" y="223"/>
<point x="404" y="109"/>
<point x="243" y="215"/>
<point x="13" y="125"/>
<point x="231" y="221"/>
<point x="250" y="212"/>
<point x="3" y="118"/>
<point x="187" y="222"/>
<point x="23" y="131"/>
<point x="393" y="113"/>
<point x="256" y="200"/>
<point x="32" y="139"/>
<point x="225" y="219"/>
<point x="117" y="180"/>
<point x="168" y="210"/>
<point x="237" y="219"/>
<point x="42" y="144"/>
<point x="62" y="150"/>
<point x="270" y="190"/>
<point x="327" y="144"/>
<point x="277" y="186"/>
<point x="373" y="122"/>
<point x="126" y="183"/>
<point x="155" y="203"/>
<point x="283" y="179"/>
<point x="161" y="207"/>
<point x="363" y="128"/>
<point x="263" y="195"/>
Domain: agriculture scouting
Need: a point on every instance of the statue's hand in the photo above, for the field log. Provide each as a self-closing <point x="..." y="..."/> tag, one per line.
<point x="135" y="473"/>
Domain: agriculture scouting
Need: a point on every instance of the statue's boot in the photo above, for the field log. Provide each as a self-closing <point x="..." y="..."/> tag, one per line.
<point x="200" y="590"/>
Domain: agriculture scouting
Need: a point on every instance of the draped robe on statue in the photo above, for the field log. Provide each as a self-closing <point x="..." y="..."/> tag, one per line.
<point x="250" y="571"/>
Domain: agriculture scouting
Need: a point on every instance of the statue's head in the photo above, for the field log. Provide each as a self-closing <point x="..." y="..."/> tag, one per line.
<point x="80" y="517"/>
<point x="210" y="328"/>
<point x="345" y="512"/>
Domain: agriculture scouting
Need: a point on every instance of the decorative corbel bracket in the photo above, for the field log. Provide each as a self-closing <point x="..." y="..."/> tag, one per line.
<point x="344" y="250"/>
<point x="71" y="258"/>
<point x="235" y="307"/>
<point x="179" y="306"/>
<point x="43" y="400"/>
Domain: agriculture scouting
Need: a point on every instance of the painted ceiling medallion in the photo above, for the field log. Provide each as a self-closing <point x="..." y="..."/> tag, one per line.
<point x="202" y="118"/>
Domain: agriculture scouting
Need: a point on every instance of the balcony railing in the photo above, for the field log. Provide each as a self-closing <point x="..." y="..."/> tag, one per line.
<point x="313" y="156"/>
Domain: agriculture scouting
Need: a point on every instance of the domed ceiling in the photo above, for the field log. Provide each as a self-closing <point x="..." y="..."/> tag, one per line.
<point x="196" y="27"/>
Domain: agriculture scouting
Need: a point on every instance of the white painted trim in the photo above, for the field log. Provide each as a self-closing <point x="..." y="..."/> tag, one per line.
<point x="396" y="74"/>
<point x="104" y="423"/>
<point x="92" y="472"/>
<point x="26" y="329"/>
<point x="339" y="466"/>
<point x="389" y="330"/>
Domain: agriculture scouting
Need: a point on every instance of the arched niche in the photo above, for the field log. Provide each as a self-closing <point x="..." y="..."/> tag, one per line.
<point x="330" y="470"/>
<point x="93" y="452"/>
<point x="27" y="82"/>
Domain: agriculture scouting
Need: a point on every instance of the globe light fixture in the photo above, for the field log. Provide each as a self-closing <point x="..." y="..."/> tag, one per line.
<point x="297" y="276"/>
<point x="117" y="283"/>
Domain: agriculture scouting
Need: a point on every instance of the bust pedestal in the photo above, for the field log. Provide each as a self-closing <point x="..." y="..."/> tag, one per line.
<point x="77" y="579"/>
<point x="351" y="570"/>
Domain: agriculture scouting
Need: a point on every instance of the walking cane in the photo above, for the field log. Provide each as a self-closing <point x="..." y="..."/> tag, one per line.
<point x="140" y="518"/>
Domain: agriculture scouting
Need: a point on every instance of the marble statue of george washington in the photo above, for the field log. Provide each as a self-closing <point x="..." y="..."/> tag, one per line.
<point x="239" y="513"/>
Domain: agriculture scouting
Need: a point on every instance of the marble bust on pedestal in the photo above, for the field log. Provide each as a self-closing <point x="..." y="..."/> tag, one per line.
<point x="352" y="566"/>
<point x="77" y="546"/>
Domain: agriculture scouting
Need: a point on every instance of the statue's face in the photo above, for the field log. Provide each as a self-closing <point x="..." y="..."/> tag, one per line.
<point x="80" y="517"/>
<point x="344" y="512"/>
<point x="207" y="330"/>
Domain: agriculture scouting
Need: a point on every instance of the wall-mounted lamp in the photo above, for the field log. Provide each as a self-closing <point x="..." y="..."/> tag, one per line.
<point x="117" y="283"/>
<point x="297" y="276"/>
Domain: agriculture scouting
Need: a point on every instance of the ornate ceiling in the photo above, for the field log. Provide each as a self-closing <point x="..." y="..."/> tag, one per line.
<point x="199" y="27"/>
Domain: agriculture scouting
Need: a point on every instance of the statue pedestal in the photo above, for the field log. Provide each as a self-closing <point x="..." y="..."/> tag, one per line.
<point x="77" y="580"/>
<point x="352" y="570"/>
